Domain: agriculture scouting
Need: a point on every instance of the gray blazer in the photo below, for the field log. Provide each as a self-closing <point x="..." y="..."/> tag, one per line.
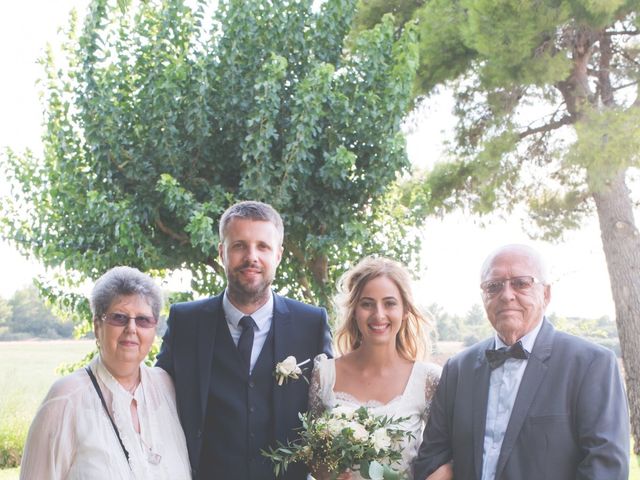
<point x="570" y="419"/>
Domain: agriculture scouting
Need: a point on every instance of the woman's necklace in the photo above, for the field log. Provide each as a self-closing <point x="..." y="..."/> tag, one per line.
<point x="133" y="388"/>
<point x="152" y="457"/>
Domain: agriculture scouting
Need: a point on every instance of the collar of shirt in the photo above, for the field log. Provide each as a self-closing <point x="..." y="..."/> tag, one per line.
<point x="262" y="316"/>
<point x="117" y="390"/>
<point x="527" y="341"/>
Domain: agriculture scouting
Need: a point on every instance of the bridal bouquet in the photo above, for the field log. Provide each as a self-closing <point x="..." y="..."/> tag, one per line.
<point x="343" y="439"/>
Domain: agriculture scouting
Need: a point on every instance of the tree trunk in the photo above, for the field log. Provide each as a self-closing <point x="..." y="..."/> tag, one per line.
<point x="621" y="244"/>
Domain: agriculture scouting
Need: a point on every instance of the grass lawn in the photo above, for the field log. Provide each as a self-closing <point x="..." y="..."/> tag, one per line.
<point x="9" y="474"/>
<point x="27" y="370"/>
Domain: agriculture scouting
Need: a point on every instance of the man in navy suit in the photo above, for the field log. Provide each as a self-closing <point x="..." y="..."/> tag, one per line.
<point x="531" y="403"/>
<point x="222" y="351"/>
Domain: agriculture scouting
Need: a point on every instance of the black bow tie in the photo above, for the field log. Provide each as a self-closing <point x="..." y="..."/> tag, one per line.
<point x="499" y="356"/>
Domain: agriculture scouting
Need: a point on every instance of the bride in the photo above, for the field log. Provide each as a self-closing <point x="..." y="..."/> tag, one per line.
<point x="381" y="336"/>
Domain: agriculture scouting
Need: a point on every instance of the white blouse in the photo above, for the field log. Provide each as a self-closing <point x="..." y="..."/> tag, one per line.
<point x="71" y="436"/>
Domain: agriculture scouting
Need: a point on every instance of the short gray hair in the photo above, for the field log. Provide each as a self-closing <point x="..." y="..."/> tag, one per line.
<point x="123" y="281"/>
<point x="251" y="210"/>
<point x="520" y="249"/>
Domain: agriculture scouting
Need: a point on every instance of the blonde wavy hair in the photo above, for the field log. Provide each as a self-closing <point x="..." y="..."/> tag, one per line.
<point x="412" y="340"/>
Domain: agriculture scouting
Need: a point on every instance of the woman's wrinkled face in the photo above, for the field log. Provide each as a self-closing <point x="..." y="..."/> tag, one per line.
<point x="124" y="347"/>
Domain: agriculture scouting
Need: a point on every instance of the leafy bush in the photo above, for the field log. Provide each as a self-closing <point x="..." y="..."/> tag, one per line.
<point x="8" y="336"/>
<point x="13" y="433"/>
<point x="12" y="438"/>
<point x="475" y="333"/>
<point x="26" y="315"/>
<point x="471" y="339"/>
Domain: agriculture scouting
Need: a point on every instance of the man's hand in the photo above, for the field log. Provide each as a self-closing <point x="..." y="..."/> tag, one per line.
<point x="444" y="472"/>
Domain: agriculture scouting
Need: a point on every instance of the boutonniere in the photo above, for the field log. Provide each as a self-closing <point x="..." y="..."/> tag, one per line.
<point x="289" y="369"/>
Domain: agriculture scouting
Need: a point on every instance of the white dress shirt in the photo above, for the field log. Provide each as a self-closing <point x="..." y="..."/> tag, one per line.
<point x="263" y="317"/>
<point x="503" y="389"/>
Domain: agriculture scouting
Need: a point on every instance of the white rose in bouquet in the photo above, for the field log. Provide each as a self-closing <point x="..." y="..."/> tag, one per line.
<point x="380" y="439"/>
<point x="360" y="433"/>
<point x="343" y="411"/>
<point x="336" y="425"/>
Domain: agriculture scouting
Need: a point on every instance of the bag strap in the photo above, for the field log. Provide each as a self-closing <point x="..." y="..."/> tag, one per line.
<point x="104" y="404"/>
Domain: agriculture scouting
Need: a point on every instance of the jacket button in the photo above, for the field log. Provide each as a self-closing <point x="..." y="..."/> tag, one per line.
<point x="199" y="433"/>
<point x="251" y="384"/>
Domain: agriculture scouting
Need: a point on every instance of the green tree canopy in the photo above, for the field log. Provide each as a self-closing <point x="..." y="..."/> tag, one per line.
<point x="476" y="315"/>
<point x="159" y="116"/>
<point x="5" y="312"/>
<point x="29" y="315"/>
<point x="449" y="327"/>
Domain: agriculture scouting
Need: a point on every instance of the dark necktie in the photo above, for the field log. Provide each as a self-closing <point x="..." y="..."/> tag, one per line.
<point x="245" y="344"/>
<point x="499" y="356"/>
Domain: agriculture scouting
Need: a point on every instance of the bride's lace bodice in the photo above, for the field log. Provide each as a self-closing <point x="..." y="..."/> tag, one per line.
<point x="414" y="402"/>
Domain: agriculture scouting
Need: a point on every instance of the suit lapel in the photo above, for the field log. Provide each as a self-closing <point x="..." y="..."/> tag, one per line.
<point x="479" y="398"/>
<point x="531" y="380"/>
<point x="282" y="325"/>
<point x="207" y="325"/>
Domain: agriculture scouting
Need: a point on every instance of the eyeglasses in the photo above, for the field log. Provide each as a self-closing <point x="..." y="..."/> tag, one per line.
<point x="120" y="320"/>
<point x="519" y="284"/>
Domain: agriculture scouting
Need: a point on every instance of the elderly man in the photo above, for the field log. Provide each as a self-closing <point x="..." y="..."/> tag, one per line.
<point x="532" y="403"/>
<point x="222" y="353"/>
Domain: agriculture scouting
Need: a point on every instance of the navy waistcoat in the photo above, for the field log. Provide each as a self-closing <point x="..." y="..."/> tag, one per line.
<point x="239" y="418"/>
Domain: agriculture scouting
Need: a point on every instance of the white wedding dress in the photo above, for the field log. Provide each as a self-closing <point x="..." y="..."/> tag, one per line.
<point x="414" y="403"/>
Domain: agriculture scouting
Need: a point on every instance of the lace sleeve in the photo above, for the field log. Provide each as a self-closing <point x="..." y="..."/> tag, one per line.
<point x="316" y="405"/>
<point x="431" y="383"/>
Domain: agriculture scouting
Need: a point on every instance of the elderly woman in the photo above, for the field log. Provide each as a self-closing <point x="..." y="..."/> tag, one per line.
<point x="116" y="418"/>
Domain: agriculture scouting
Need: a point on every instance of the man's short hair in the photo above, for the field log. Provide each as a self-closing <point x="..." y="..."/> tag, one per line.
<point x="534" y="256"/>
<point x="251" y="210"/>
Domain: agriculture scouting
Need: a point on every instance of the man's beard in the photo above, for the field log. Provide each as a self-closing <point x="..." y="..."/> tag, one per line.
<point x="248" y="294"/>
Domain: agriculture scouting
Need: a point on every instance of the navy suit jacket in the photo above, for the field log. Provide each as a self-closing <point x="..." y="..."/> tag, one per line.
<point x="569" y="421"/>
<point x="186" y="354"/>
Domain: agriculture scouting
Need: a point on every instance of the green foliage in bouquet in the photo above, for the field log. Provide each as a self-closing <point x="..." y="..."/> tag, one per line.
<point x="343" y="439"/>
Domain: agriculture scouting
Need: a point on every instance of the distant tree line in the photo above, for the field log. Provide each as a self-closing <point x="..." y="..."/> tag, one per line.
<point x="474" y="326"/>
<point x="25" y="315"/>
